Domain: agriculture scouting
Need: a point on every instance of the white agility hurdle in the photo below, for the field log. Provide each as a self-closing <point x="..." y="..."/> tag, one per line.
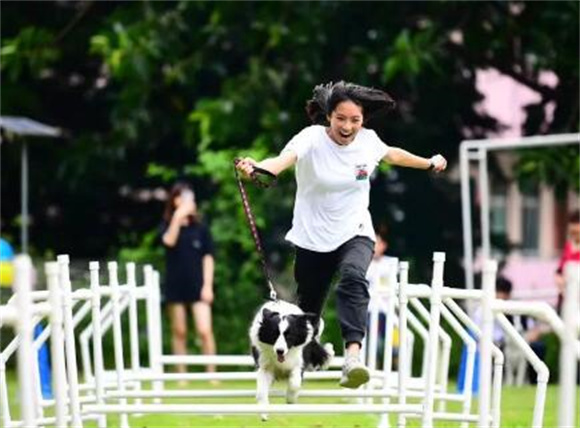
<point x="20" y="316"/>
<point x="121" y="390"/>
<point x="23" y="311"/>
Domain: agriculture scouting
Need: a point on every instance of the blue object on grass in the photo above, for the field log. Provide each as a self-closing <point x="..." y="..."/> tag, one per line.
<point x="463" y="367"/>
<point x="44" y="366"/>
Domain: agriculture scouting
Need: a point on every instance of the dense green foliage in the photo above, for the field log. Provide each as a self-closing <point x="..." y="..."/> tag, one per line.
<point x="153" y="91"/>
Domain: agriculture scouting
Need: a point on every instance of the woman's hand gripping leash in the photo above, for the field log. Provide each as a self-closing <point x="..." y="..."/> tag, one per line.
<point x="262" y="179"/>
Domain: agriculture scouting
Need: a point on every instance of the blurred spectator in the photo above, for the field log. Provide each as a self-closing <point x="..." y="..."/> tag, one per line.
<point x="570" y="253"/>
<point x="381" y="272"/>
<point x="382" y="267"/>
<point x="189" y="271"/>
<point x="516" y="367"/>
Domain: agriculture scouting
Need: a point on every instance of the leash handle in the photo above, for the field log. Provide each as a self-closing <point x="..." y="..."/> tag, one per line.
<point x="252" y="222"/>
<point x="260" y="176"/>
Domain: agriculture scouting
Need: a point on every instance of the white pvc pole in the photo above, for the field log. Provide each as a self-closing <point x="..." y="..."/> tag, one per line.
<point x="59" y="381"/>
<point x="484" y="202"/>
<point x="71" y="356"/>
<point x="523" y="142"/>
<point x="488" y="288"/>
<point x="118" y="338"/>
<point x="156" y="290"/>
<point x="154" y="326"/>
<point x="567" y="413"/>
<point x="466" y="216"/>
<point x="445" y="348"/>
<point x="98" y="363"/>
<point x="403" y="361"/>
<point x="133" y="322"/>
<point x="433" y="344"/>
<point x="498" y="357"/>
<point x="25" y="329"/>
<point x="213" y="409"/>
<point x="414" y="325"/>
<point x="497" y="384"/>
<point x="390" y="296"/>
<point x="4" y="405"/>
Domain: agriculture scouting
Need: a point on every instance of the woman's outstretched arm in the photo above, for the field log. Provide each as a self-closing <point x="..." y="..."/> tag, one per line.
<point x="400" y="157"/>
<point x="275" y="165"/>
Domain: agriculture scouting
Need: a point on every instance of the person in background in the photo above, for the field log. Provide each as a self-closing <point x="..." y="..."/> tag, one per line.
<point x="571" y="252"/>
<point x="527" y="327"/>
<point x="382" y="266"/>
<point x="381" y="272"/>
<point x="189" y="271"/>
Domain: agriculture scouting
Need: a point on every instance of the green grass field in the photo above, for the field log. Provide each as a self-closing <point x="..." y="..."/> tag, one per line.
<point x="517" y="410"/>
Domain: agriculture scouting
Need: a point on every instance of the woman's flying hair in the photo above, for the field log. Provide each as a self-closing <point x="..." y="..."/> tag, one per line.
<point x="326" y="97"/>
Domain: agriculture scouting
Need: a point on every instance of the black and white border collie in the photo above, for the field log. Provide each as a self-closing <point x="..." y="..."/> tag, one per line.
<point x="286" y="342"/>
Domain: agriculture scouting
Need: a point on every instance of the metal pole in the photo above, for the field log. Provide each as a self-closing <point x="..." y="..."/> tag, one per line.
<point x="523" y="142"/>
<point x="403" y="362"/>
<point x="98" y="363"/>
<point x="25" y="330"/>
<point x="24" y="199"/>
<point x="69" y="341"/>
<point x="484" y="198"/>
<point x="57" y="346"/>
<point x="466" y="216"/>
<point x="432" y="345"/>
<point x="567" y="414"/>
<point x="486" y="342"/>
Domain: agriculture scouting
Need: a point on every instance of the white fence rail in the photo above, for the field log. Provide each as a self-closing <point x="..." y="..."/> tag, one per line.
<point x="121" y="389"/>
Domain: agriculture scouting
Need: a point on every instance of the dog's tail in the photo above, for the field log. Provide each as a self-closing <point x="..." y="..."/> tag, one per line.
<point x="317" y="357"/>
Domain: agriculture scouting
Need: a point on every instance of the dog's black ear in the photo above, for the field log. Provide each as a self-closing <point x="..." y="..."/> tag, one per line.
<point x="313" y="319"/>
<point x="267" y="313"/>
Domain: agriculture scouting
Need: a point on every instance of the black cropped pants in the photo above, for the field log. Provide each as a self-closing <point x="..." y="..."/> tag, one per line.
<point x="314" y="273"/>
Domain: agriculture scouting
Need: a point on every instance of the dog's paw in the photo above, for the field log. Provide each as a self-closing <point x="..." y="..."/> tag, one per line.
<point x="264" y="417"/>
<point x="329" y="348"/>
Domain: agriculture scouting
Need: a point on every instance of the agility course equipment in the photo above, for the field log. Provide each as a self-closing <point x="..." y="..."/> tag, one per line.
<point x="396" y="395"/>
<point x="478" y="151"/>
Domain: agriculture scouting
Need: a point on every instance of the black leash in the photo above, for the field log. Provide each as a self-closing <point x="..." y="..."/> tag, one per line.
<point x="262" y="179"/>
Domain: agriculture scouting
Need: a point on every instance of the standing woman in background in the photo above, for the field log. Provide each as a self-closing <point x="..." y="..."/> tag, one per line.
<point x="189" y="271"/>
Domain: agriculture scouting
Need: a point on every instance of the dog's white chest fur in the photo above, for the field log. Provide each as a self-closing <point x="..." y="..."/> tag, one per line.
<point x="281" y="370"/>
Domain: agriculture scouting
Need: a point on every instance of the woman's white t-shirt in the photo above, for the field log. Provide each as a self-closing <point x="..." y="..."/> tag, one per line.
<point x="332" y="195"/>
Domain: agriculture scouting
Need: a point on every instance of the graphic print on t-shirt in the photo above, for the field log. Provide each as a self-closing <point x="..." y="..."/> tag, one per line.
<point x="361" y="172"/>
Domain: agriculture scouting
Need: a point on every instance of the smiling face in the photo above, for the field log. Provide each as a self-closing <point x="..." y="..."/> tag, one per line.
<point x="345" y="121"/>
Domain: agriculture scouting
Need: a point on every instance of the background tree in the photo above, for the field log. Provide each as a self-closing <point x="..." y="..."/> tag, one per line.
<point x="154" y="91"/>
